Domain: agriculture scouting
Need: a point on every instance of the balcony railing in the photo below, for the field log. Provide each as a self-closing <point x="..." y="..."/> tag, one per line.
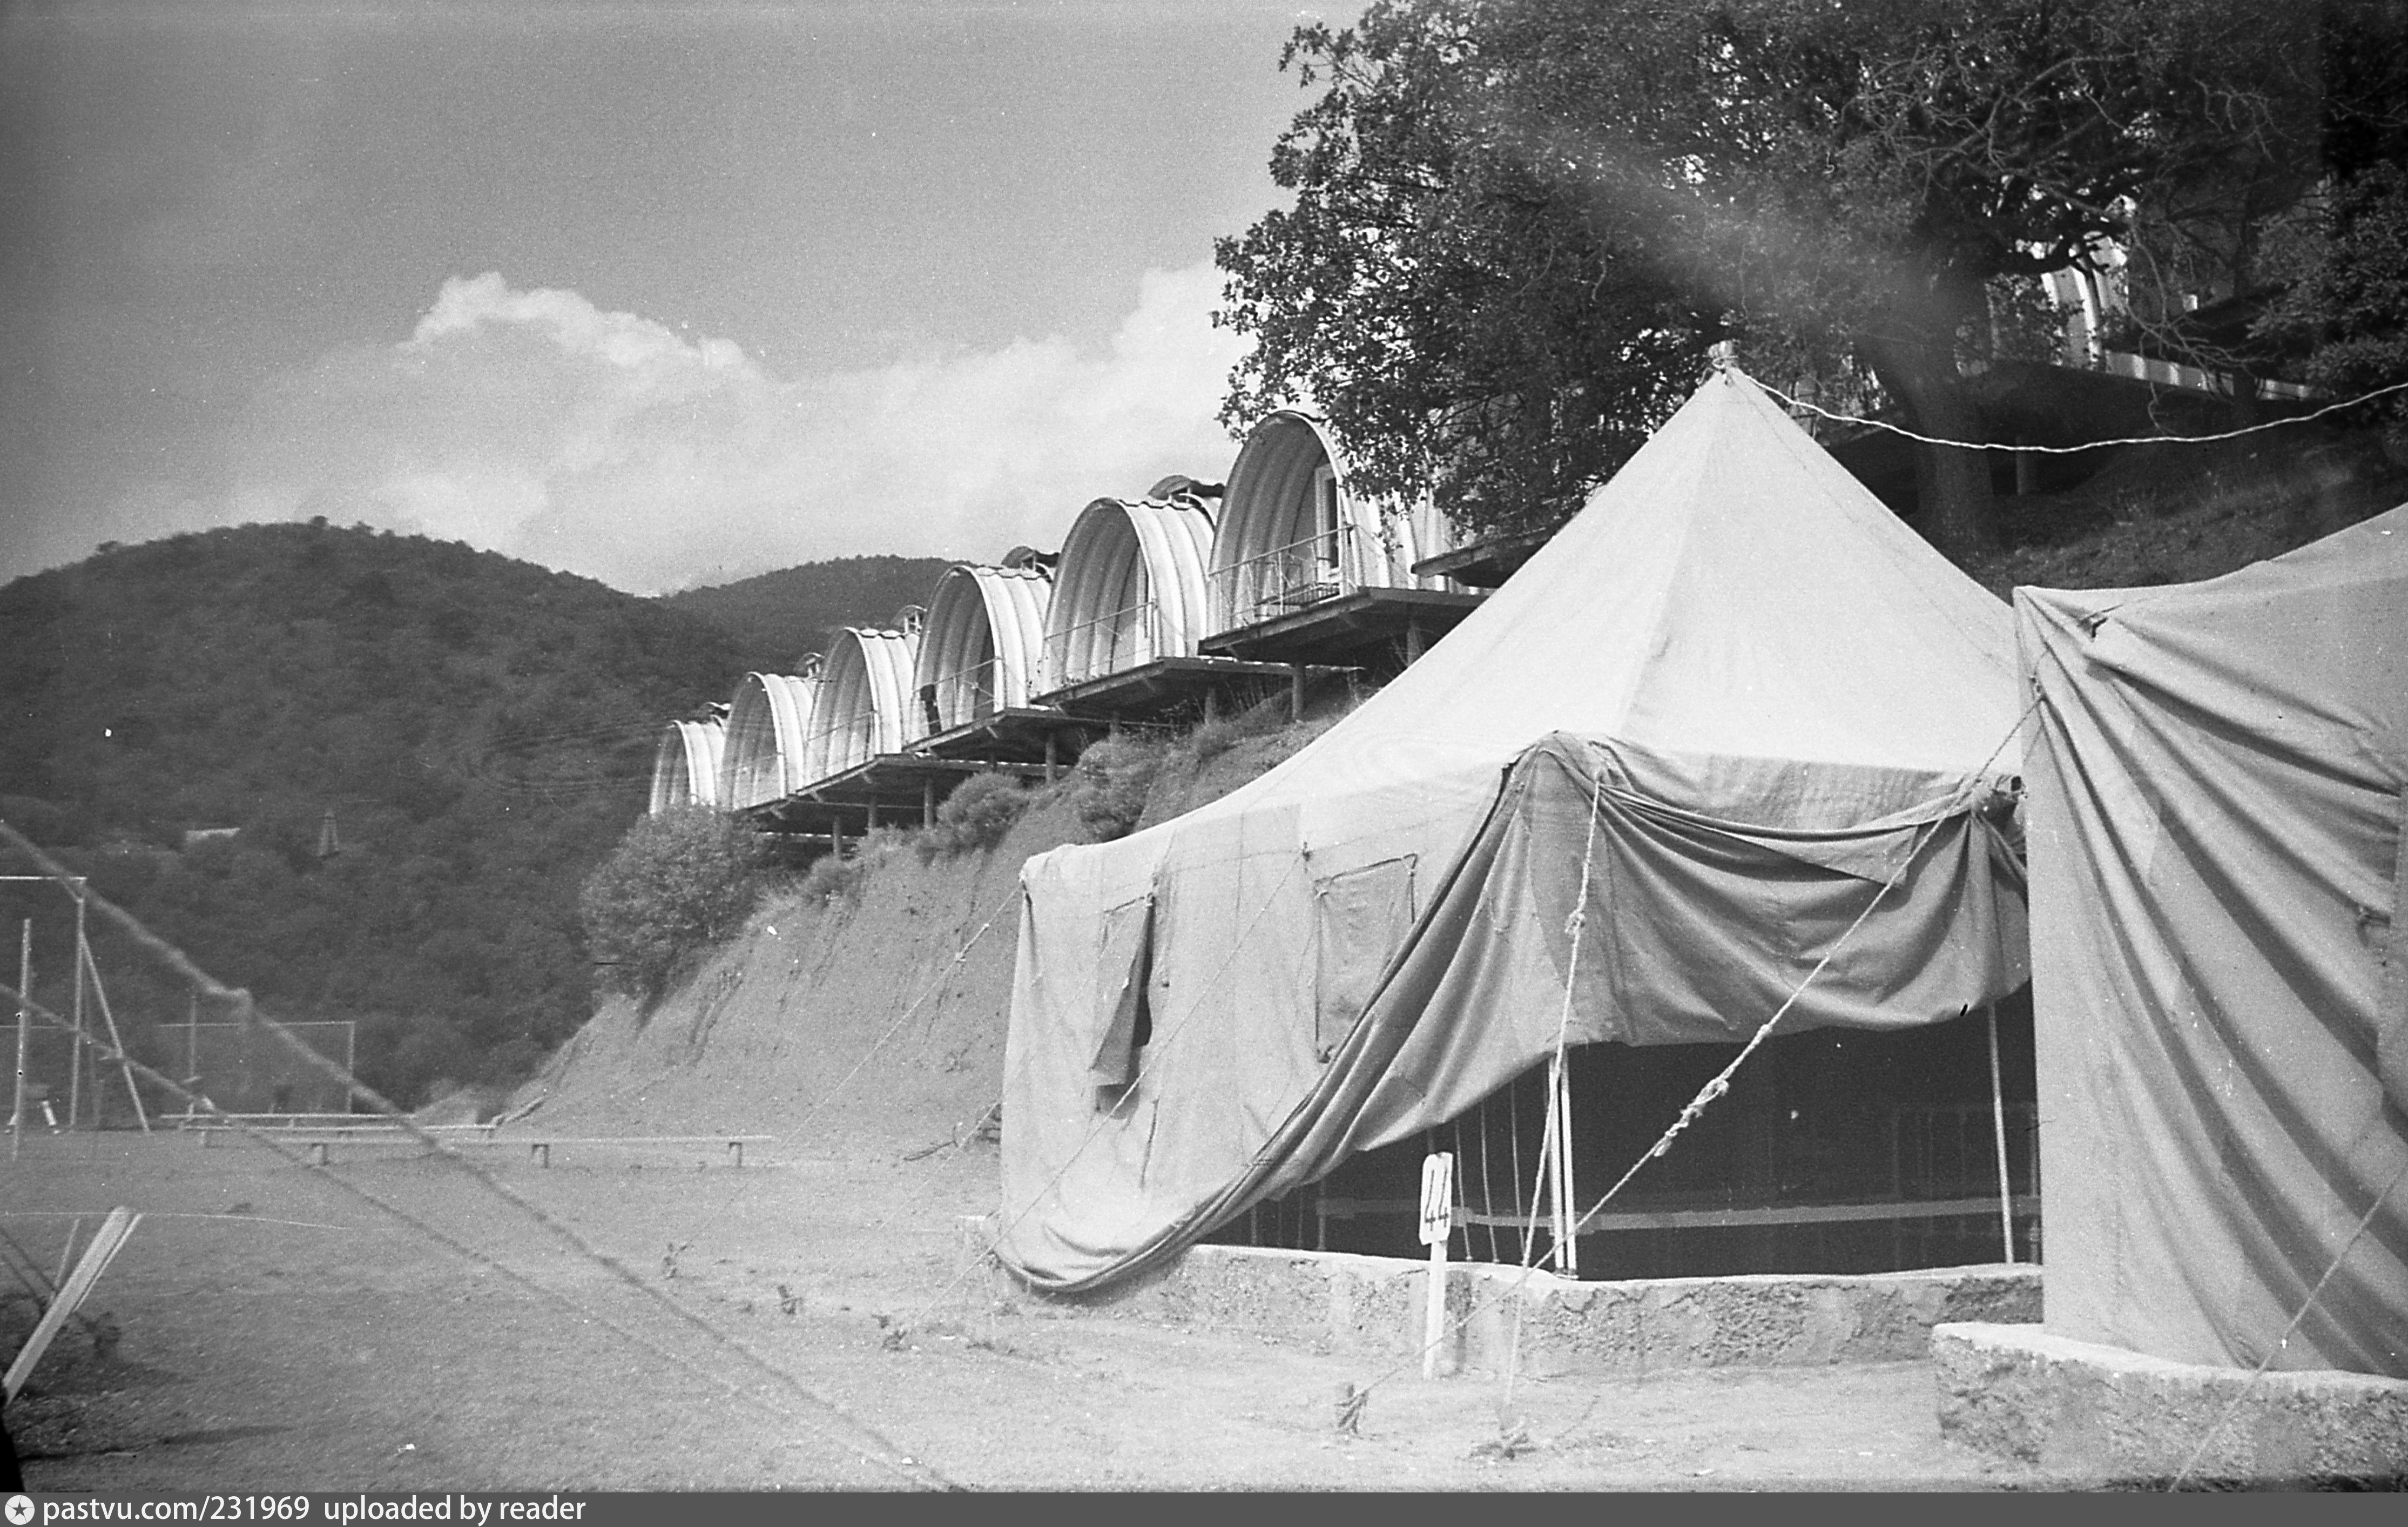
<point x="838" y="743"/>
<point x="960" y="697"/>
<point x="1285" y="578"/>
<point x="1113" y="642"/>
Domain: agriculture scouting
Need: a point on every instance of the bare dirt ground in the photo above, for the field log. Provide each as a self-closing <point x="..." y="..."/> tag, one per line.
<point x="279" y="1332"/>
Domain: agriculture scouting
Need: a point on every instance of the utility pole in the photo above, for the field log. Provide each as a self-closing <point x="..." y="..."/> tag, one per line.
<point x="25" y="993"/>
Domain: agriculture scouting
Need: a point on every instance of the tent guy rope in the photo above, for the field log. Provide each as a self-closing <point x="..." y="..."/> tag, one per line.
<point x="1977" y="781"/>
<point x="1558" y="1099"/>
<point x="2280" y="1342"/>
<point x="881" y="1452"/>
<point x="893" y="1460"/>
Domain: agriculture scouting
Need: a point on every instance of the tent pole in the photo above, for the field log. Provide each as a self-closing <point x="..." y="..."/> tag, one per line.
<point x="1569" y="1263"/>
<point x="24" y="985"/>
<point x="1560" y="1166"/>
<point x="1487" y="1193"/>
<point x="1514" y="1130"/>
<point x="1999" y="1129"/>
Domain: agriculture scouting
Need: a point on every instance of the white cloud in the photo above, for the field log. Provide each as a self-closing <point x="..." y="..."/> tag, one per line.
<point x="534" y="423"/>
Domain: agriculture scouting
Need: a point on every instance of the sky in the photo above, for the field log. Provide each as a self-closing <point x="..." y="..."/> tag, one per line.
<point x="663" y="294"/>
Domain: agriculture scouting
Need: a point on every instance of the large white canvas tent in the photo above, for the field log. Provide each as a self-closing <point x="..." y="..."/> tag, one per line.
<point x="1735" y="699"/>
<point x="2218" y="868"/>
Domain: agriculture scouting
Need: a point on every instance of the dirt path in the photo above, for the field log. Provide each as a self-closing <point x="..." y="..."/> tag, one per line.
<point x="281" y="1334"/>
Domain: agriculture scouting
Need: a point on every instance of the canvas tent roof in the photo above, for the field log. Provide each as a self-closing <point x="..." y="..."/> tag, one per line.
<point x="1735" y="687"/>
<point x="2221" y="1015"/>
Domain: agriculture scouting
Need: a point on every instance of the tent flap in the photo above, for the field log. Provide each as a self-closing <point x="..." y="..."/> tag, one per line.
<point x="1360" y="918"/>
<point x="1124" y="966"/>
<point x="1695" y="930"/>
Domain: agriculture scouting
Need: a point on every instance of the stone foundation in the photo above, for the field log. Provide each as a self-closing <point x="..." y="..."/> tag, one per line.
<point x="2105" y="1414"/>
<point x="1374" y="1306"/>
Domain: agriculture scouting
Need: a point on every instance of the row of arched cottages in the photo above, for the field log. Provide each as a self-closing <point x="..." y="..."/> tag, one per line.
<point x="1136" y="581"/>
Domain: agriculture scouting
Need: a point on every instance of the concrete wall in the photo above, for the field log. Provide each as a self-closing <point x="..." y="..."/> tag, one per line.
<point x="1374" y="1306"/>
<point x="2108" y="1415"/>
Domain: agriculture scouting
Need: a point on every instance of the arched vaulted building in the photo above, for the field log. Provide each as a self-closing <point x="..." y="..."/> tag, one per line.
<point x="1292" y="534"/>
<point x="1130" y="587"/>
<point x="983" y="647"/>
<point x="866" y="704"/>
<point x="768" y="728"/>
<point x="685" y="766"/>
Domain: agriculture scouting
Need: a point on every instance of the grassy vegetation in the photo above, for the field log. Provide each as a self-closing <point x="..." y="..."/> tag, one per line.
<point x="974" y="817"/>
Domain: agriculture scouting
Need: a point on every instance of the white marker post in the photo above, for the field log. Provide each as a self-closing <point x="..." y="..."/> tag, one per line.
<point x="1438" y="1224"/>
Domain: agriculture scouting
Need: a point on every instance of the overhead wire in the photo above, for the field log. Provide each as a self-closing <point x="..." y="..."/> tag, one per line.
<point x="2088" y="445"/>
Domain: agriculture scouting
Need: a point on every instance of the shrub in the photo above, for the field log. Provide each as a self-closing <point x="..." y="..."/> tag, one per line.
<point x="1108" y="790"/>
<point x="679" y="882"/>
<point x="1217" y="734"/>
<point x="1213" y="737"/>
<point x="831" y="880"/>
<point x="977" y="814"/>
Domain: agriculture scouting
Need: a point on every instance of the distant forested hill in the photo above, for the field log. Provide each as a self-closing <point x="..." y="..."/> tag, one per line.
<point x="481" y="729"/>
<point x="778" y="617"/>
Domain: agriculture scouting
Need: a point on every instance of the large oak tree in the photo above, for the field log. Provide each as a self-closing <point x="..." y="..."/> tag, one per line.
<point x="1518" y="223"/>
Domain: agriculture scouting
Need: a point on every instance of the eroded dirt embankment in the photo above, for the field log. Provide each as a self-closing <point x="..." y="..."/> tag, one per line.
<point x="850" y="1022"/>
<point x="850" y="1017"/>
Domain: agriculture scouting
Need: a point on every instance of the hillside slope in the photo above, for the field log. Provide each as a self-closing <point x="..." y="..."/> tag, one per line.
<point x="179" y="719"/>
<point x="847" y="1021"/>
<point x="778" y="617"/>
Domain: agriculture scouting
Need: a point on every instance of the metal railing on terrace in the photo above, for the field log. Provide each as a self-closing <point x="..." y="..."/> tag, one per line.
<point x="838" y="743"/>
<point x="1296" y="576"/>
<point x="959" y="696"/>
<point x="1113" y="642"/>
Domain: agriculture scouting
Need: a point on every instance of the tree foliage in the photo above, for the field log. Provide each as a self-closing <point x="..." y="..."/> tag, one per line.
<point x="1465" y="328"/>
<point x="679" y="883"/>
<point x="1518" y="223"/>
<point x="2349" y="306"/>
<point x="482" y="730"/>
<point x="777" y="617"/>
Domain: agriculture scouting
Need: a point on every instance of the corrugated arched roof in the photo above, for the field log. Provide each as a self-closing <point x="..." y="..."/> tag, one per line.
<point x="983" y="644"/>
<point x="1293" y="534"/>
<point x="865" y="705"/>
<point x="1130" y="587"/>
<point x="685" y="766"/>
<point x="767" y="730"/>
